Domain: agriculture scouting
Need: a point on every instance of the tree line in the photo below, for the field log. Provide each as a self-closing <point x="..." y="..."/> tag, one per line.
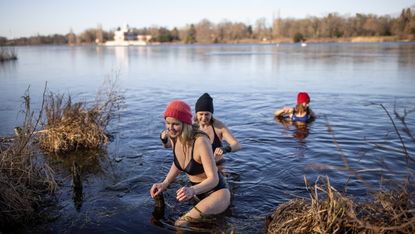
<point x="332" y="27"/>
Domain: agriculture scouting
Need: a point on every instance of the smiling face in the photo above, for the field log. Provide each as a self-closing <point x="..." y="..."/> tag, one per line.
<point x="204" y="117"/>
<point x="174" y="127"/>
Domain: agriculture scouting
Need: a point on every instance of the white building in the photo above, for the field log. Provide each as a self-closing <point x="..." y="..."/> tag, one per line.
<point x="125" y="37"/>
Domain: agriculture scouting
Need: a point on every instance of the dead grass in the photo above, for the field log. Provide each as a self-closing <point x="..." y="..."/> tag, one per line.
<point x="72" y="126"/>
<point x="24" y="179"/>
<point x="328" y="211"/>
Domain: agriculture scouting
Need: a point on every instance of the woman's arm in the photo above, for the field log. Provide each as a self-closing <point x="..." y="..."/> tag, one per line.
<point x="170" y="177"/>
<point x="228" y="137"/>
<point x="285" y="110"/>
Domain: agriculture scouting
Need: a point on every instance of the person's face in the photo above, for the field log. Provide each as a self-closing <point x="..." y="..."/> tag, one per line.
<point x="174" y="127"/>
<point x="204" y="117"/>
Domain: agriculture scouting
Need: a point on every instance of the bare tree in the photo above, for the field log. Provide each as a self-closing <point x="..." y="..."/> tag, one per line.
<point x="261" y="31"/>
<point x="205" y="32"/>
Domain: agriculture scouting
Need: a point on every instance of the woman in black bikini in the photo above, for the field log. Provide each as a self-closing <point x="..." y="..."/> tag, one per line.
<point x="214" y="128"/>
<point x="193" y="155"/>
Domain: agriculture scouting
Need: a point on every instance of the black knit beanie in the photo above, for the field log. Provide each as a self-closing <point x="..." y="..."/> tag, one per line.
<point x="204" y="103"/>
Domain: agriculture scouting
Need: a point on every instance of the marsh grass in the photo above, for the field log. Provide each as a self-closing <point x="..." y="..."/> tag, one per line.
<point x="390" y="209"/>
<point x="7" y="53"/>
<point x="25" y="180"/>
<point x="328" y="211"/>
<point x="71" y="126"/>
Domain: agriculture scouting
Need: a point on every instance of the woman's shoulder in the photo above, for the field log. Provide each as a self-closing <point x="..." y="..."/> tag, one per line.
<point x="202" y="138"/>
<point x="217" y="124"/>
<point x="199" y="134"/>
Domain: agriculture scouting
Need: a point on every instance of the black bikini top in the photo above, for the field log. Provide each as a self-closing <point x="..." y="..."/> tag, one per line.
<point x="193" y="167"/>
<point x="216" y="141"/>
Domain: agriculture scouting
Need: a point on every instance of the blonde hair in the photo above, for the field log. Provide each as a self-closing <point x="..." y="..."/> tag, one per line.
<point x="189" y="134"/>
<point x="300" y="109"/>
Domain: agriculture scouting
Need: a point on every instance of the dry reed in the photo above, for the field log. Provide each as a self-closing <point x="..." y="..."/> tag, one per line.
<point x="72" y="126"/>
<point x="328" y="211"/>
<point x="7" y="53"/>
<point x="24" y="179"/>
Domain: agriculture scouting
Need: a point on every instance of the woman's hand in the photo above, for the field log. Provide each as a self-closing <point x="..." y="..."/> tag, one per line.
<point x="164" y="135"/>
<point x="287" y="110"/>
<point x="157" y="188"/>
<point x="185" y="193"/>
<point x="218" y="154"/>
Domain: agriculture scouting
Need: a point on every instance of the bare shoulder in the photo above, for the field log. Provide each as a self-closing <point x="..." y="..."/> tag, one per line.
<point x="218" y="124"/>
<point x="202" y="139"/>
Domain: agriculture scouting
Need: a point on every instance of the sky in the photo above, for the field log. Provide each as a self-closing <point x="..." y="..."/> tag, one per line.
<point x="25" y="18"/>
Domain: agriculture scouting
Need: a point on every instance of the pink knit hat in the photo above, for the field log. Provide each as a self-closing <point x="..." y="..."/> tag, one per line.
<point x="303" y="97"/>
<point x="179" y="110"/>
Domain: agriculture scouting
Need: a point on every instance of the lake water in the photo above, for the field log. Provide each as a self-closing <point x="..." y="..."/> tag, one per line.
<point x="346" y="82"/>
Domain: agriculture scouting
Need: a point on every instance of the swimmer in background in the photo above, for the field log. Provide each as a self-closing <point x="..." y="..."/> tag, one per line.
<point x="301" y="113"/>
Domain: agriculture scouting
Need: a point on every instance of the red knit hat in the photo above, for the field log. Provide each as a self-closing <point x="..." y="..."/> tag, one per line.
<point x="179" y="110"/>
<point x="303" y="97"/>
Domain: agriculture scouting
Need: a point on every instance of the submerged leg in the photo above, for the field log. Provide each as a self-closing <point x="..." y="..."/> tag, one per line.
<point x="215" y="203"/>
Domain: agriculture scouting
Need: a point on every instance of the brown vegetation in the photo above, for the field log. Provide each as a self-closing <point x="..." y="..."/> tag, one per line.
<point x="25" y="179"/>
<point x="331" y="212"/>
<point x="71" y="126"/>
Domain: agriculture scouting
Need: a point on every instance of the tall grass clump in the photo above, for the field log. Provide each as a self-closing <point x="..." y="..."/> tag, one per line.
<point x="79" y="125"/>
<point x="7" y="53"/>
<point x="329" y="211"/>
<point x="25" y="180"/>
<point x="389" y="210"/>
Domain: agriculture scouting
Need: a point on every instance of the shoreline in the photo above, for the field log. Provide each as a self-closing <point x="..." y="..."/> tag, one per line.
<point x="373" y="39"/>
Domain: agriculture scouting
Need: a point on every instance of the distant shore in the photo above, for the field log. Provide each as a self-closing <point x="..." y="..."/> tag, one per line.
<point x="327" y="40"/>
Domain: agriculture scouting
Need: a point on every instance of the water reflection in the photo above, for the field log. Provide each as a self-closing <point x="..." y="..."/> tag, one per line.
<point x="7" y="67"/>
<point x="300" y="131"/>
<point x="121" y="55"/>
<point x="78" y="167"/>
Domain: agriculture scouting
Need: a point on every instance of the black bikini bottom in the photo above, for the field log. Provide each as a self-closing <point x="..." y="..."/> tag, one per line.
<point x="221" y="184"/>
